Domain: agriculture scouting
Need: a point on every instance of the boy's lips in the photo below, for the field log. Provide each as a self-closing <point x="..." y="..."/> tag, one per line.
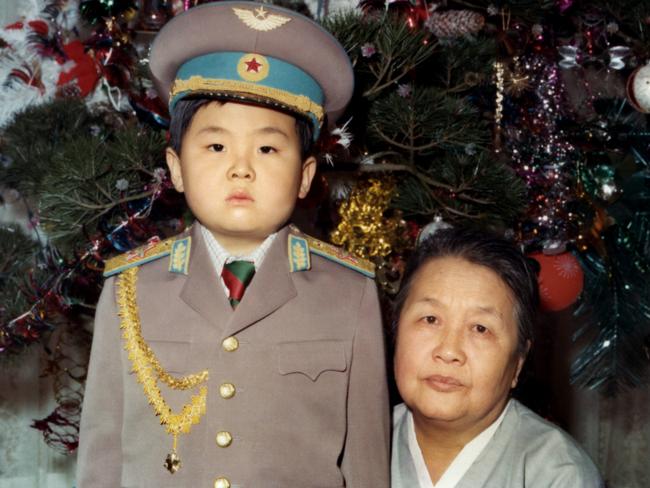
<point x="239" y="196"/>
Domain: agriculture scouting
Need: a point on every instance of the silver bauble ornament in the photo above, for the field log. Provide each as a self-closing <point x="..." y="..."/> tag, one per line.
<point x="638" y="89"/>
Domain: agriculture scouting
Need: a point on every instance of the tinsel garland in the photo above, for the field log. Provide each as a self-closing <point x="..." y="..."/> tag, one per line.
<point x="67" y="363"/>
<point x="364" y="230"/>
<point x="543" y="155"/>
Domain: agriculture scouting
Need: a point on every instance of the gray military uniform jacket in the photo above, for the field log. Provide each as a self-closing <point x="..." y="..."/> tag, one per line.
<point x="526" y="451"/>
<point x="310" y="403"/>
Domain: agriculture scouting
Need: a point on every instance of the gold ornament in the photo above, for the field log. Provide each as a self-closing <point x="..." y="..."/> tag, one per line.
<point x="148" y="371"/>
<point x="498" y="110"/>
<point x="516" y="82"/>
<point x="364" y="230"/>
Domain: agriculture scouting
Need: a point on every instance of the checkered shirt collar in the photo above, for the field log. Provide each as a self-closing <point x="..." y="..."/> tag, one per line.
<point x="219" y="256"/>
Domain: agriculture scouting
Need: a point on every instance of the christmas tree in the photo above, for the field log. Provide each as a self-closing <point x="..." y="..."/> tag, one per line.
<point x="524" y="117"/>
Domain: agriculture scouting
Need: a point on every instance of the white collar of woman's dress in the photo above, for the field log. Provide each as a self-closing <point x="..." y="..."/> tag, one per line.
<point x="461" y="463"/>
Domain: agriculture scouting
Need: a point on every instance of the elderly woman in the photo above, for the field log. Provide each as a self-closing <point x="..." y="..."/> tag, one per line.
<point x="464" y="320"/>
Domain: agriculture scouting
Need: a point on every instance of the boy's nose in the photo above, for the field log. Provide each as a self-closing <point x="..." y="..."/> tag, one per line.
<point x="241" y="170"/>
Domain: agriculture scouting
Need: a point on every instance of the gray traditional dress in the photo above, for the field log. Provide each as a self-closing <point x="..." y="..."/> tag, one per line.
<point x="526" y="451"/>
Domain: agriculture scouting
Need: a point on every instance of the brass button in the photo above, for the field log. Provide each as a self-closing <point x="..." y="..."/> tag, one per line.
<point x="230" y="344"/>
<point x="224" y="439"/>
<point x="227" y="390"/>
<point x="221" y="483"/>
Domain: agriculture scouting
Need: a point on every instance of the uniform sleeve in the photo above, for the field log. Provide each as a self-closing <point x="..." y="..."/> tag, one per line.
<point x="365" y="460"/>
<point x="99" y="461"/>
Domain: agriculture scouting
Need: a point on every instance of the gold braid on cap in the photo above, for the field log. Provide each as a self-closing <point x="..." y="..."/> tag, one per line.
<point x="301" y="103"/>
<point x="148" y="370"/>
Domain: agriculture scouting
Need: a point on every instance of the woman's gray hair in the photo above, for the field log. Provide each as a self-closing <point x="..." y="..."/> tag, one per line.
<point x="478" y="247"/>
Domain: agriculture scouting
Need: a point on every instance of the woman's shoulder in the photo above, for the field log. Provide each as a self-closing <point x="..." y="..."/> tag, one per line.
<point x="548" y="448"/>
<point x="533" y="429"/>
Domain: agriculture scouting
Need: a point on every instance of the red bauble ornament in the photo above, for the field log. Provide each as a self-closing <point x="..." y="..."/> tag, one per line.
<point x="561" y="280"/>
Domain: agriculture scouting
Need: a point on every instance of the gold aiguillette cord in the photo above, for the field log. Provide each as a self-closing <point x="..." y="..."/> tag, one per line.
<point x="148" y="371"/>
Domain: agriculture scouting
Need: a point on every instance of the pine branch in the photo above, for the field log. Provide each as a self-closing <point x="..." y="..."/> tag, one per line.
<point x="466" y="63"/>
<point x="90" y="178"/>
<point x="460" y="186"/>
<point x="617" y="292"/>
<point x="34" y="136"/>
<point x="19" y="256"/>
<point x="399" y="48"/>
<point x="427" y="119"/>
<point x="529" y="11"/>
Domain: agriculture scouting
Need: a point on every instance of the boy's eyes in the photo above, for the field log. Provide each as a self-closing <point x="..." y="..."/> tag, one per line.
<point x="262" y="149"/>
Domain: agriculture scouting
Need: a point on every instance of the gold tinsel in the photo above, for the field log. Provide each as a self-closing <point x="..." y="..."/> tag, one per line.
<point x="364" y="230"/>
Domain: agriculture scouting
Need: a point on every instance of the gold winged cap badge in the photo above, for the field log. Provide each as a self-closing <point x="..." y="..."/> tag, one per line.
<point x="260" y="19"/>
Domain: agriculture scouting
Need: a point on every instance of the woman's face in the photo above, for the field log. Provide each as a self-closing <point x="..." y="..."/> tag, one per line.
<point x="456" y="354"/>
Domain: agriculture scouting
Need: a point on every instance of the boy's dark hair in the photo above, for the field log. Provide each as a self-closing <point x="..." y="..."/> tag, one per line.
<point x="493" y="252"/>
<point x="184" y="110"/>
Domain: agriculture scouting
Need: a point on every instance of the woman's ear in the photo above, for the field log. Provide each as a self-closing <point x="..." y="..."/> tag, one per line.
<point x="174" y="165"/>
<point x="521" y="359"/>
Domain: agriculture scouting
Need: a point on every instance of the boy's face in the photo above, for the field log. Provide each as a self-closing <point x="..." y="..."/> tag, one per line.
<point x="241" y="172"/>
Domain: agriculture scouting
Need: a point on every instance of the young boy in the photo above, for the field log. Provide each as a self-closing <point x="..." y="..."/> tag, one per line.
<point x="188" y="387"/>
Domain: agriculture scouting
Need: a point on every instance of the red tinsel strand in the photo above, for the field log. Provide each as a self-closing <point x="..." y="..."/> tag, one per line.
<point x="68" y="366"/>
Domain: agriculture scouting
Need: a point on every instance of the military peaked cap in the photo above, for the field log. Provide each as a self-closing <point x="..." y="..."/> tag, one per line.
<point x="256" y="53"/>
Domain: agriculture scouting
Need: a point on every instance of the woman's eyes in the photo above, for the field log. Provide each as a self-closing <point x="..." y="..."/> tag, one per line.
<point x="433" y="320"/>
<point x="429" y="319"/>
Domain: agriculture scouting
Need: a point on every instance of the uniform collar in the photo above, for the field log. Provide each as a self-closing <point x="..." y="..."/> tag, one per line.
<point x="272" y="287"/>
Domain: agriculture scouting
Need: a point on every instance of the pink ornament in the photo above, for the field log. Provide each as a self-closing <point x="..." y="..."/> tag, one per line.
<point x="368" y="50"/>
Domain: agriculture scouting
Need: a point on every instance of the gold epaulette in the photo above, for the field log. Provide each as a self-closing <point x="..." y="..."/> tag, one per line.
<point x="178" y="248"/>
<point x="301" y="246"/>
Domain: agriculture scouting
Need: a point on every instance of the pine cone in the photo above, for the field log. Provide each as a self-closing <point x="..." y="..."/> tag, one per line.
<point x="455" y="23"/>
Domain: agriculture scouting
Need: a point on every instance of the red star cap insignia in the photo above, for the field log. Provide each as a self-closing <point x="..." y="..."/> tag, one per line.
<point x="253" y="65"/>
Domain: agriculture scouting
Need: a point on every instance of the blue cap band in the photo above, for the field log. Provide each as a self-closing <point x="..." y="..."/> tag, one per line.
<point x="252" y="77"/>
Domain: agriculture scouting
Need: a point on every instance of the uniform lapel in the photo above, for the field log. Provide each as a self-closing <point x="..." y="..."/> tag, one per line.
<point x="271" y="287"/>
<point x="202" y="290"/>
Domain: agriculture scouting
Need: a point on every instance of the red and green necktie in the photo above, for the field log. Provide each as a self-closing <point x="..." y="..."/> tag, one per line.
<point x="237" y="275"/>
